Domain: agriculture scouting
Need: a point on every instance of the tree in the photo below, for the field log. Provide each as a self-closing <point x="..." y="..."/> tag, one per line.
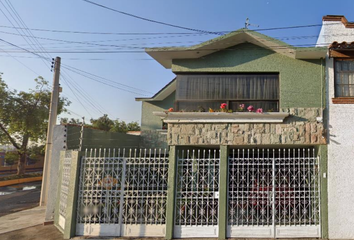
<point x="71" y="121"/>
<point x="24" y="117"/>
<point x="133" y="126"/>
<point x="102" y="123"/>
<point x="106" y="124"/>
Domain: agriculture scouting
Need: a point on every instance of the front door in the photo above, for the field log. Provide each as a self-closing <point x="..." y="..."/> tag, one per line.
<point x="197" y="203"/>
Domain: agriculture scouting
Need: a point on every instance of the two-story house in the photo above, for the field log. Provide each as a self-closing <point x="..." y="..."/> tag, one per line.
<point x="338" y="35"/>
<point x="244" y="117"/>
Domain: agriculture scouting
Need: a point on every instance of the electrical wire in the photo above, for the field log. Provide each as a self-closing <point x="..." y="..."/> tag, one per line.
<point x="150" y="20"/>
<point x="15" y="58"/>
<point x="45" y="63"/>
<point x="85" y="95"/>
<point x="76" y="71"/>
<point x="106" y="79"/>
<point x="105" y="83"/>
<point x="160" y="33"/>
<point x="72" y="91"/>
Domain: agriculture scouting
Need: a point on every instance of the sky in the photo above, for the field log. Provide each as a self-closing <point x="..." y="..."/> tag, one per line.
<point x="104" y="69"/>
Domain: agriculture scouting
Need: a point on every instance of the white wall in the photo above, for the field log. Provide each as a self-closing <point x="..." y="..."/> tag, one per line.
<point x="59" y="144"/>
<point x="341" y="144"/>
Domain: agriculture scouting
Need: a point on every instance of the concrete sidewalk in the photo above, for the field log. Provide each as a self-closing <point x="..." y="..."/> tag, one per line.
<point x="23" y="219"/>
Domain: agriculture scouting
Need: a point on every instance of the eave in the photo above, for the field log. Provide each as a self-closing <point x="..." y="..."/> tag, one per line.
<point x="165" y="56"/>
<point x="162" y="94"/>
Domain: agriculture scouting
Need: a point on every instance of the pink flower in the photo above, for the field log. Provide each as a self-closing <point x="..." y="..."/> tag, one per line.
<point x="170" y="109"/>
<point x="223" y="105"/>
<point x="259" y="110"/>
<point x="250" y="108"/>
<point x="242" y="106"/>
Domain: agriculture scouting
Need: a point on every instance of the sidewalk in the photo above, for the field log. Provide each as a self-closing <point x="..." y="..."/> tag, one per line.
<point x="27" y="225"/>
<point x="22" y="219"/>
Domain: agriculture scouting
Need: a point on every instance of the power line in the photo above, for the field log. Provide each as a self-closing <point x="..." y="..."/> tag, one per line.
<point x="102" y="33"/>
<point x="150" y="20"/>
<point x="85" y="95"/>
<point x="91" y="43"/>
<point x="17" y="30"/>
<point x="106" y="79"/>
<point x="72" y="91"/>
<point x="16" y="15"/>
<point x="159" y="33"/>
<point x="105" y="83"/>
<point x="15" y="58"/>
<point x="76" y="71"/>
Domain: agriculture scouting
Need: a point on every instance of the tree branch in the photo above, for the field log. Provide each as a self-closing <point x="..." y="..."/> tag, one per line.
<point x="9" y="137"/>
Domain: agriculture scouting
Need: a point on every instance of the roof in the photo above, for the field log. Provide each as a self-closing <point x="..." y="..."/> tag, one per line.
<point x="341" y="50"/>
<point x="165" y="55"/>
<point x="162" y="94"/>
<point x="338" y="18"/>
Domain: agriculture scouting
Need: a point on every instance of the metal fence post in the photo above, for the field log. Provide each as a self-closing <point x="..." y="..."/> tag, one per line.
<point x="70" y="221"/>
<point x="224" y="159"/>
<point x="171" y="192"/>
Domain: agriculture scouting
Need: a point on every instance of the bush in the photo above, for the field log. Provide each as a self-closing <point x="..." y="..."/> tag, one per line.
<point x="28" y="175"/>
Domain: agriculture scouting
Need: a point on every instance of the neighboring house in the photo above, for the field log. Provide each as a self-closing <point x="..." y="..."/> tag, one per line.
<point x="338" y="35"/>
<point x="242" y="174"/>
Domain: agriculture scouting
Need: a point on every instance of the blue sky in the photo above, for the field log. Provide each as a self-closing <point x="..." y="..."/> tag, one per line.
<point x="137" y="70"/>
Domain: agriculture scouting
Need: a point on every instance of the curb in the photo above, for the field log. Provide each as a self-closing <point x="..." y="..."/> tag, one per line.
<point x="20" y="180"/>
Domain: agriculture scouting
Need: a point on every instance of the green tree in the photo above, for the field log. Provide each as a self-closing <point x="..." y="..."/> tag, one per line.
<point x="119" y="126"/>
<point x="106" y="124"/>
<point x="102" y="123"/>
<point x="133" y="126"/>
<point x="24" y="117"/>
<point x="122" y="126"/>
<point x="71" y="121"/>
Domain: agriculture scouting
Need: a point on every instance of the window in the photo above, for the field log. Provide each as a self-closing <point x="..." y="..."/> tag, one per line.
<point x="200" y="92"/>
<point x="344" y="77"/>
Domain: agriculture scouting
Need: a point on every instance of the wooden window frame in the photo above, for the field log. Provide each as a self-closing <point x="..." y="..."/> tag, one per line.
<point x="341" y="100"/>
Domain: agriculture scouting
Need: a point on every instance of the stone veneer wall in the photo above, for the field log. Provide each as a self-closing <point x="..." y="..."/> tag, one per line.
<point x="299" y="128"/>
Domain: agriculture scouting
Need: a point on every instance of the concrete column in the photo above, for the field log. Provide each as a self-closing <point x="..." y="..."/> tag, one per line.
<point x="224" y="159"/>
<point x="57" y="195"/>
<point x="171" y="192"/>
<point x="70" y="219"/>
<point x="322" y="153"/>
<point x="59" y="144"/>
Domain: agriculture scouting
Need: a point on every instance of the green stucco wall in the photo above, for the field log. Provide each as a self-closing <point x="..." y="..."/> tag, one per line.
<point x="300" y="80"/>
<point x="94" y="138"/>
<point x="150" y="121"/>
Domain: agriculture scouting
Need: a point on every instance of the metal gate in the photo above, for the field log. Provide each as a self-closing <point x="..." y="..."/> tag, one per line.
<point x="273" y="193"/>
<point x="122" y="193"/>
<point x="197" y="193"/>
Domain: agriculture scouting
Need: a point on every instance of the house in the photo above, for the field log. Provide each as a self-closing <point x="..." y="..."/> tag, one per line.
<point x="240" y="173"/>
<point x="244" y="121"/>
<point x="338" y="35"/>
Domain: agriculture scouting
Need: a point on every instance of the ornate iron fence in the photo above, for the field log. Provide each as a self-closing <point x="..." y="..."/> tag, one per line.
<point x="122" y="187"/>
<point x="197" y="193"/>
<point x="274" y="188"/>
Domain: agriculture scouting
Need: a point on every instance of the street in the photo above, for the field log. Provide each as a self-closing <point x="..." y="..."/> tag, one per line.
<point x="19" y="197"/>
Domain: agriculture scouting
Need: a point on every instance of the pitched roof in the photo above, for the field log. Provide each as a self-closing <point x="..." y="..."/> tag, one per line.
<point x="162" y="94"/>
<point x="165" y="55"/>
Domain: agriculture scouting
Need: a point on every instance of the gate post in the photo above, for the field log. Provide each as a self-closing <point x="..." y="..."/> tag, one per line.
<point x="224" y="160"/>
<point x="70" y="222"/>
<point x="171" y="192"/>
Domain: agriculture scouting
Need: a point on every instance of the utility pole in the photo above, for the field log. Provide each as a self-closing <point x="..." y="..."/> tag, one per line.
<point x="53" y="110"/>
